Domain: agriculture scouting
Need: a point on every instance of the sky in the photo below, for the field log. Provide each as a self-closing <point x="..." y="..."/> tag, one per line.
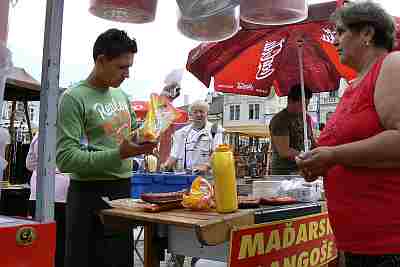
<point x="161" y="47"/>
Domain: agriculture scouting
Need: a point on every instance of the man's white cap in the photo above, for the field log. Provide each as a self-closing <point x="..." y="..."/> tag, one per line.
<point x="199" y="104"/>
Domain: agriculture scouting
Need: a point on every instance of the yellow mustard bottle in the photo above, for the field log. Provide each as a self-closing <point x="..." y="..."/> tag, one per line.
<point x="223" y="168"/>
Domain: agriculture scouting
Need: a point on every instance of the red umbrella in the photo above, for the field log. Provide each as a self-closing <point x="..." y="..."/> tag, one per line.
<point x="141" y="108"/>
<point x="255" y="59"/>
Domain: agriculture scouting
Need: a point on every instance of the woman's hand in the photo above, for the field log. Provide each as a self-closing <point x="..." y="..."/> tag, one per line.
<point x="315" y="163"/>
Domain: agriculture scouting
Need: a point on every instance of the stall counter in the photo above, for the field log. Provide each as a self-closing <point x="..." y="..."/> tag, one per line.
<point x="203" y="234"/>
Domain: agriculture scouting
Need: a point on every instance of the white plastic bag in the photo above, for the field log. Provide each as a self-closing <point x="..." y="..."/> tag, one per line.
<point x="301" y="190"/>
<point x="174" y="77"/>
<point x="172" y="87"/>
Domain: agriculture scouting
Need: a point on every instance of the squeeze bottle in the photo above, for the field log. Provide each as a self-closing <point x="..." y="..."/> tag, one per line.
<point x="223" y="167"/>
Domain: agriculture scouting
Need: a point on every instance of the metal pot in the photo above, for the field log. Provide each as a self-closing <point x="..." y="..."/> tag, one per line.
<point x="273" y="12"/>
<point x="196" y="9"/>
<point x="213" y="28"/>
<point x="131" y="11"/>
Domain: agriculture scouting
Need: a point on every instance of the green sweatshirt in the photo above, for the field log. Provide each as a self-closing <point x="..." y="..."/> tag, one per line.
<point x="104" y="118"/>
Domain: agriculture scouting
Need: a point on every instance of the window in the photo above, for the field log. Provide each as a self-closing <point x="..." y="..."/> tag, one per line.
<point x="251" y="111"/>
<point x="5" y="111"/>
<point x="234" y="112"/>
<point x="254" y="111"/>
<point x="31" y="114"/>
<point x="334" y="93"/>
<point x="237" y="112"/>
<point x="257" y="115"/>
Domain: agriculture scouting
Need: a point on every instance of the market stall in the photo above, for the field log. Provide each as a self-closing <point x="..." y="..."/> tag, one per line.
<point x="209" y="229"/>
<point x="211" y="235"/>
<point x="249" y="143"/>
<point x="203" y="234"/>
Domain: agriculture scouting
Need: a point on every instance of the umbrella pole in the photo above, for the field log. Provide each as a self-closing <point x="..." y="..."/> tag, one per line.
<point x="303" y="98"/>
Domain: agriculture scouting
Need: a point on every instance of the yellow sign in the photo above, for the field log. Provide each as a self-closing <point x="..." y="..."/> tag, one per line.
<point x="299" y="242"/>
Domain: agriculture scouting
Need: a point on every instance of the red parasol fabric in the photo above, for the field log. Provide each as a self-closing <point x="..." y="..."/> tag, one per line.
<point x="273" y="61"/>
<point x="259" y="57"/>
<point x="256" y="59"/>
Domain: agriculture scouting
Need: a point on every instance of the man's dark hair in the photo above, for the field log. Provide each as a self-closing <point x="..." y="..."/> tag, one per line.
<point x="113" y="43"/>
<point x="295" y="93"/>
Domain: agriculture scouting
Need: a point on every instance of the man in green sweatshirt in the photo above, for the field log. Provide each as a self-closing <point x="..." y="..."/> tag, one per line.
<point x="97" y="111"/>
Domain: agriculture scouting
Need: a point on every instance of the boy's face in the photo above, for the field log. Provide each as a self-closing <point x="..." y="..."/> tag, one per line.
<point x="115" y="71"/>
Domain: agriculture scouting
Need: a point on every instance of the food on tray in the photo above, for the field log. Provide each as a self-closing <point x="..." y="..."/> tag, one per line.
<point x="246" y="202"/>
<point x="200" y="196"/>
<point x="151" y="207"/>
<point x="127" y="203"/>
<point x="277" y="200"/>
<point x="159" y="198"/>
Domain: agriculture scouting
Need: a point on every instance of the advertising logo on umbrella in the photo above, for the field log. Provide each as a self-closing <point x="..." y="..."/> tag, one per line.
<point x="270" y="51"/>
<point x="328" y="35"/>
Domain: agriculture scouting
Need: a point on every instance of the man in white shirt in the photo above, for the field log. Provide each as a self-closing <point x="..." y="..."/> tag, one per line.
<point x="193" y="144"/>
<point x="191" y="150"/>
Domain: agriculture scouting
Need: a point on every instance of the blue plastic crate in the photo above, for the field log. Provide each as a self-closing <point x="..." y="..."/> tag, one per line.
<point x="159" y="183"/>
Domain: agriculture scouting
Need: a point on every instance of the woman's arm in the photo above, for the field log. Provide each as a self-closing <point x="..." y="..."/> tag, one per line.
<point x="379" y="151"/>
<point x="383" y="149"/>
<point x="31" y="161"/>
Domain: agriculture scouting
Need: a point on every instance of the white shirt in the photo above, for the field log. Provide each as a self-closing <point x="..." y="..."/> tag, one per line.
<point x="4" y="141"/>
<point x="61" y="180"/>
<point x="192" y="147"/>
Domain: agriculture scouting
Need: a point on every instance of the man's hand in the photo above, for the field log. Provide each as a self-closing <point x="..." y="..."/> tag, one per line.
<point x="168" y="165"/>
<point x="129" y="149"/>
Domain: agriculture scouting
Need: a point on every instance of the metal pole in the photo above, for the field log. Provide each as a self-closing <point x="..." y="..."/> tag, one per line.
<point x="303" y="98"/>
<point x="319" y="110"/>
<point x="48" y="110"/>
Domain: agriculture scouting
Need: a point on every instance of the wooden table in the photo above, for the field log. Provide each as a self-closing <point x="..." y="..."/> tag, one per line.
<point x="211" y="228"/>
<point x="203" y="234"/>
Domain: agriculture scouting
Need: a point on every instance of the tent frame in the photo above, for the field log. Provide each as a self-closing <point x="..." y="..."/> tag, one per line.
<point x="48" y="110"/>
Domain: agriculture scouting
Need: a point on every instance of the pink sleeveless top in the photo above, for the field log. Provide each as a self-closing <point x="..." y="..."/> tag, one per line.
<point x="363" y="203"/>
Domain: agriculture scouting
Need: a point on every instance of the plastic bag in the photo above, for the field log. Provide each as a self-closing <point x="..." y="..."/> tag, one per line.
<point x="172" y="82"/>
<point x="300" y="190"/>
<point x="175" y="76"/>
<point x="200" y="196"/>
<point x="159" y="117"/>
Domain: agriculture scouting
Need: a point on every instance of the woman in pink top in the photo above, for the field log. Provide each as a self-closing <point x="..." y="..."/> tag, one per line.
<point x="60" y="194"/>
<point x="359" y="149"/>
